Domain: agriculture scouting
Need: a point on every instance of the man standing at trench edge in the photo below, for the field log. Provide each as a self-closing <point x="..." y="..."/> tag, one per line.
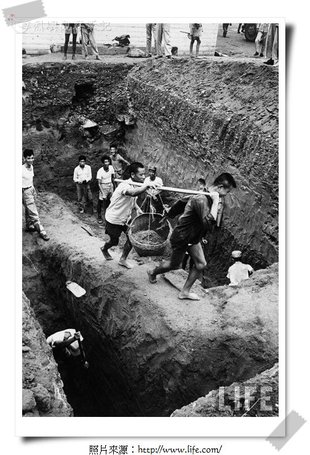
<point x="199" y="216"/>
<point x="118" y="213"/>
<point x="33" y="222"/>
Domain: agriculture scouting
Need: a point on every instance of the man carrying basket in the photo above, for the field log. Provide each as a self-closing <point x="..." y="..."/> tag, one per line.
<point x="199" y="216"/>
<point x="118" y="213"/>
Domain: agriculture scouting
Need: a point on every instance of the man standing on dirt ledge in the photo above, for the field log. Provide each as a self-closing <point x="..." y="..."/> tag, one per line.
<point x="199" y="215"/>
<point x="118" y="213"/>
<point x="29" y="196"/>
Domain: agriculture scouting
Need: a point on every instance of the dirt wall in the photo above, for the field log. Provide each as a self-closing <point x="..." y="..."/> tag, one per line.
<point x="198" y="119"/>
<point x="256" y="397"/>
<point x="57" y="100"/>
<point x="43" y="393"/>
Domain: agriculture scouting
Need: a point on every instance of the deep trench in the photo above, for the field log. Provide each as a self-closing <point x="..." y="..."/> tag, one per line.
<point x="103" y="389"/>
<point x="100" y="390"/>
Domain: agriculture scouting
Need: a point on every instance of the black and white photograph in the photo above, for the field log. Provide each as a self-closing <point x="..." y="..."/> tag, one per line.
<point x="150" y="220"/>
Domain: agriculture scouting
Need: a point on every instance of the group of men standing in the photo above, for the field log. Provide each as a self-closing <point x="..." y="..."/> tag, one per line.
<point x="112" y="167"/>
<point x="198" y="214"/>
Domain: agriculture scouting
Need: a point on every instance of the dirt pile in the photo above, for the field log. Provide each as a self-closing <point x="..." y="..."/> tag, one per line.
<point x="148" y="237"/>
<point x="151" y="352"/>
<point x="42" y="387"/>
<point x="256" y="397"/>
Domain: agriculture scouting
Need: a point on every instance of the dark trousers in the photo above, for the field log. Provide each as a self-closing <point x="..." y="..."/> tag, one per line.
<point x="102" y="204"/>
<point x="67" y="37"/>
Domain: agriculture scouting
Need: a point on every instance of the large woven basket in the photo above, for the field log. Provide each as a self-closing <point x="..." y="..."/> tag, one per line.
<point x="152" y="222"/>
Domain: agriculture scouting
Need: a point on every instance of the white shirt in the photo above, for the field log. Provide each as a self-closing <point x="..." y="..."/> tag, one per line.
<point x="59" y="336"/>
<point x="80" y="174"/>
<point x="105" y="177"/>
<point x="157" y="181"/>
<point x="27" y="176"/>
<point x="238" y="272"/>
<point x="121" y="205"/>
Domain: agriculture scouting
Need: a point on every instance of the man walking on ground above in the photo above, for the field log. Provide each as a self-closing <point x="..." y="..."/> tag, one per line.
<point x="87" y="33"/>
<point x="195" y="31"/>
<point x="82" y="177"/>
<point x="105" y="179"/>
<point x="118" y="213"/>
<point x="163" y="34"/>
<point x="150" y="32"/>
<point x="70" y="28"/>
<point x="29" y="196"/>
<point x="193" y="225"/>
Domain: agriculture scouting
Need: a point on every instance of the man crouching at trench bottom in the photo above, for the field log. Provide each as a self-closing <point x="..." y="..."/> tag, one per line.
<point x="118" y="213"/>
<point x="193" y="225"/>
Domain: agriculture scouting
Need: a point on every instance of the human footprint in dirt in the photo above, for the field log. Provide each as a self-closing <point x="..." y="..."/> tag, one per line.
<point x="118" y="214"/>
<point x="199" y="216"/>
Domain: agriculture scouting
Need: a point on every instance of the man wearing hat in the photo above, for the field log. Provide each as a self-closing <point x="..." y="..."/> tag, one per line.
<point x="238" y="271"/>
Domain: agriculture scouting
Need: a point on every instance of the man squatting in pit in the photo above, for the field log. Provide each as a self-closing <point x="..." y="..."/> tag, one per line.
<point x="118" y="213"/>
<point x="199" y="215"/>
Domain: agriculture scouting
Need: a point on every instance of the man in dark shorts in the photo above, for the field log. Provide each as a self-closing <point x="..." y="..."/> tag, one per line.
<point x="118" y="213"/>
<point x="198" y="218"/>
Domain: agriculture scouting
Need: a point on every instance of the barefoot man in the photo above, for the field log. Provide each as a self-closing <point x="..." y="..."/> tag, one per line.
<point x="199" y="215"/>
<point x="118" y="213"/>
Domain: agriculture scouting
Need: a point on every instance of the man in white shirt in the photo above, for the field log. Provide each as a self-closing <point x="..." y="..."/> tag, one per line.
<point x="105" y="179"/>
<point x="82" y="177"/>
<point x="152" y="201"/>
<point x="118" y="213"/>
<point x="67" y="343"/>
<point x="238" y="271"/>
<point x="33" y="222"/>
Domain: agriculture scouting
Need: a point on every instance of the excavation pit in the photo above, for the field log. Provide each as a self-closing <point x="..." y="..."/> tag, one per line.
<point x="150" y="353"/>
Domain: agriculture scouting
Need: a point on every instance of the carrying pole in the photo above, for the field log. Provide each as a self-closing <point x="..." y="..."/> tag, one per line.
<point x="168" y="188"/>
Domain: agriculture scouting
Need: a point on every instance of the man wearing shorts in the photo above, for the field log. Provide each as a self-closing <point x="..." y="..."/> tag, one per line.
<point x="195" y="35"/>
<point x="118" y="213"/>
<point x="105" y="179"/>
<point x="199" y="216"/>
